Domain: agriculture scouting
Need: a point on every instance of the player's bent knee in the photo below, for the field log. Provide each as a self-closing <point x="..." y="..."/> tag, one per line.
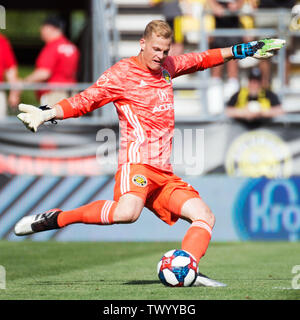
<point x="195" y="209"/>
<point x="128" y="209"/>
<point x="127" y="216"/>
<point x="206" y="215"/>
<point x="211" y="219"/>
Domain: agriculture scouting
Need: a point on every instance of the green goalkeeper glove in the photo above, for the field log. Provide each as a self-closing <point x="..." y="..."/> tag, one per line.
<point x="270" y="46"/>
<point x="33" y="117"/>
<point x="261" y="49"/>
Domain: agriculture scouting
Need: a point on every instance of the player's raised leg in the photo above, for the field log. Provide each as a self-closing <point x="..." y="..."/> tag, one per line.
<point x="101" y="212"/>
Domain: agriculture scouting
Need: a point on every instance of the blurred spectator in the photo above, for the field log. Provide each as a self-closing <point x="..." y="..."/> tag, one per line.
<point x="271" y="21"/>
<point x="172" y="12"/>
<point x="221" y="10"/>
<point x="293" y="44"/>
<point x="56" y="63"/>
<point x="295" y="17"/>
<point x="254" y="104"/>
<point x="8" y="70"/>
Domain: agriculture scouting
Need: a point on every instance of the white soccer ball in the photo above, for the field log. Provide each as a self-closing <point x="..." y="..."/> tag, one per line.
<point x="177" y="268"/>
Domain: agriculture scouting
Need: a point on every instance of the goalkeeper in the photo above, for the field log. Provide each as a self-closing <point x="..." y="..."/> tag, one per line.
<point x="141" y="89"/>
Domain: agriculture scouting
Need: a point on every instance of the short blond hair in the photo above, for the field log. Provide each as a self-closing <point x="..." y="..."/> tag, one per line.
<point x="160" y="28"/>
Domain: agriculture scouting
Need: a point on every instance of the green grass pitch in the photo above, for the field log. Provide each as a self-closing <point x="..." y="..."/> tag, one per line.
<point x="127" y="271"/>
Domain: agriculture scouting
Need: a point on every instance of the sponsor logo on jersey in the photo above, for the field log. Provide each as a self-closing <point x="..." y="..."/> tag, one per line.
<point x="163" y="107"/>
<point x="140" y="180"/>
<point x="163" y="95"/>
<point x="268" y="209"/>
<point x="166" y="75"/>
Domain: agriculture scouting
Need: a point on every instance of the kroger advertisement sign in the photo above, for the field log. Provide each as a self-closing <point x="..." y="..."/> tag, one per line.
<point x="268" y="210"/>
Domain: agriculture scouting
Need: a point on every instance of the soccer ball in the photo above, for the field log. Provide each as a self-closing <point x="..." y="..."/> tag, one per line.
<point x="177" y="268"/>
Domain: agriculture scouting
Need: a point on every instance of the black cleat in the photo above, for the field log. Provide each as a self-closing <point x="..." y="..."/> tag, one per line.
<point x="37" y="223"/>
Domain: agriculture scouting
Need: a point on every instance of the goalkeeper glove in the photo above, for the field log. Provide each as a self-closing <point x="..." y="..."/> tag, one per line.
<point x="261" y="49"/>
<point x="33" y="117"/>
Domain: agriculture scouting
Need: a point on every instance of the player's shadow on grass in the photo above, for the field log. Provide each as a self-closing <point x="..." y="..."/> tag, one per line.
<point x="139" y="282"/>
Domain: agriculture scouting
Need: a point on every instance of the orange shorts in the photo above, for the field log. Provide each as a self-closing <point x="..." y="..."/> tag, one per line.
<point x="162" y="192"/>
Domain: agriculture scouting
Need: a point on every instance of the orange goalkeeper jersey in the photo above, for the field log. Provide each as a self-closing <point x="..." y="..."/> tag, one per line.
<point x="145" y="104"/>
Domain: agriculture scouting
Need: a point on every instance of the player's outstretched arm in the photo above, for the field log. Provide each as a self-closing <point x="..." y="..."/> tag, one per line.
<point x="33" y="117"/>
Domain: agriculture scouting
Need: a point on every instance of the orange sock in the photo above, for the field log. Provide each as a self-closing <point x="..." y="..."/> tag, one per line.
<point x="98" y="212"/>
<point x="197" y="239"/>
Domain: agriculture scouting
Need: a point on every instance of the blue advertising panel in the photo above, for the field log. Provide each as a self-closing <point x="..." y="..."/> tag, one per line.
<point x="268" y="210"/>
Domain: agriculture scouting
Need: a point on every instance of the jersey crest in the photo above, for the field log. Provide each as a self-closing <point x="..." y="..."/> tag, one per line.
<point x="166" y="76"/>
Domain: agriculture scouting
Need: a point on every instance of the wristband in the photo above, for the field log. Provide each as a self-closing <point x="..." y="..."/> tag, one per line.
<point x="48" y="113"/>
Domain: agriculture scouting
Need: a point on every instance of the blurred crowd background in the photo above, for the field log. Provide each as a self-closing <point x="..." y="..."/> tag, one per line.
<point x="95" y="34"/>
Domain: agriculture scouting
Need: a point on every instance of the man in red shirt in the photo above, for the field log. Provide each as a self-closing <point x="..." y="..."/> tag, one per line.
<point x="56" y="63"/>
<point x="8" y="70"/>
<point x="141" y="89"/>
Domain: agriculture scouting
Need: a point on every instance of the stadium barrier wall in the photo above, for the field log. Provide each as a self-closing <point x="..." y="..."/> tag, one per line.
<point x="60" y="167"/>
<point x="245" y="208"/>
